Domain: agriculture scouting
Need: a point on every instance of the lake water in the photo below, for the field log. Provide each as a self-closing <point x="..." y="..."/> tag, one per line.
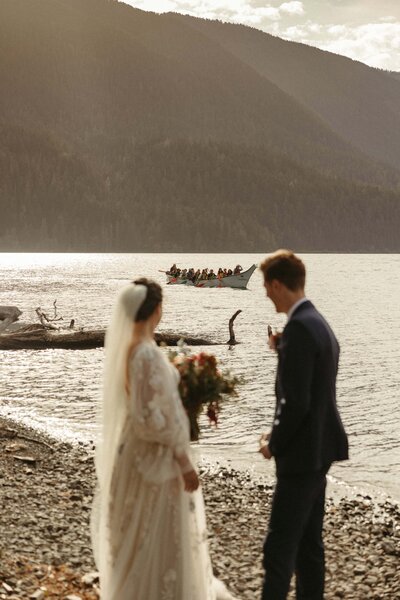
<point x="58" y="390"/>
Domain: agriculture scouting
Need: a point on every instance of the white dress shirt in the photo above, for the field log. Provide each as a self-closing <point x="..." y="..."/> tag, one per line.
<point x="295" y="307"/>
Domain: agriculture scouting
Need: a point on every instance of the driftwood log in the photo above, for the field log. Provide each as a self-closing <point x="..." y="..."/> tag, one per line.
<point x="172" y="339"/>
<point x="45" y="336"/>
<point x="37" y="337"/>
<point x="8" y="315"/>
<point x="9" y="433"/>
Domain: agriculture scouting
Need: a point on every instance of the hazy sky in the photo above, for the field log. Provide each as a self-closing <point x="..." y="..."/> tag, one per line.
<point x="367" y="30"/>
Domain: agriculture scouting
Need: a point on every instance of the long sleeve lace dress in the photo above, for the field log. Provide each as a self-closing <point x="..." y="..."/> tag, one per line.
<point x="157" y="538"/>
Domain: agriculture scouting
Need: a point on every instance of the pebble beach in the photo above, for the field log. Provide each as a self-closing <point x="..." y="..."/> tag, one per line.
<point x="46" y="496"/>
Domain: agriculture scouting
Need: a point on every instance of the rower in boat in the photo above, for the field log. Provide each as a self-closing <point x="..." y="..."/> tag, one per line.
<point x="208" y="278"/>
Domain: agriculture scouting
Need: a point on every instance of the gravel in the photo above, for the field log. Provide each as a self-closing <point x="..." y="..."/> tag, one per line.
<point x="46" y="495"/>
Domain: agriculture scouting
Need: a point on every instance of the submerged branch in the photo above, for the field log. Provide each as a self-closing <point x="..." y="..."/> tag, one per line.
<point x="232" y="339"/>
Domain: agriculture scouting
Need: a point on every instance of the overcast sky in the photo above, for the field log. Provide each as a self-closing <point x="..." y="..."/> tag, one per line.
<point x="367" y="30"/>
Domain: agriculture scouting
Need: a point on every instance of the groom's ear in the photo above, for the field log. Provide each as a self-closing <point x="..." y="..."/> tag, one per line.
<point x="279" y="289"/>
<point x="276" y="285"/>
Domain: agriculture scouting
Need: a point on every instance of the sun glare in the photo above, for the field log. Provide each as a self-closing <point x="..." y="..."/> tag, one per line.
<point x="37" y="259"/>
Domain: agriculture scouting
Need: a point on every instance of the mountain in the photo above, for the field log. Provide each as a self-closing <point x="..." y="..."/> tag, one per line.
<point x="49" y="198"/>
<point x="360" y="103"/>
<point x="174" y="195"/>
<point x="90" y="68"/>
<point x="126" y="130"/>
<point x="232" y="197"/>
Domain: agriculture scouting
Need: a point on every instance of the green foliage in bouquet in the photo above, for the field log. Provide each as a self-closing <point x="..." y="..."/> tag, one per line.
<point x="202" y="384"/>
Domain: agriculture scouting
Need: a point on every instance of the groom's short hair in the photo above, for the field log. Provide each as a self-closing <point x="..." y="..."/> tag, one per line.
<point x="286" y="267"/>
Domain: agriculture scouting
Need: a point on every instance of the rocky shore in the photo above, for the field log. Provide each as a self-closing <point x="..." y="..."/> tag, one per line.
<point x="46" y="494"/>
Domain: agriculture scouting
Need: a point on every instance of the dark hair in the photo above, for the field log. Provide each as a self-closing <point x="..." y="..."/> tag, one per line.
<point x="152" y="300"/>
<point x="286" y="267"/>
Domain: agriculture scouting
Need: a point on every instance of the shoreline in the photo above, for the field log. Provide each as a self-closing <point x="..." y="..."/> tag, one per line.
<point x="337" y="487"/>
<point x="45" y="546"/>
<point x="205" y="455"/>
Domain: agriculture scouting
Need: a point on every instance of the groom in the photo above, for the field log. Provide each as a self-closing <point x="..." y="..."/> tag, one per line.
<point x="306" y="437"/>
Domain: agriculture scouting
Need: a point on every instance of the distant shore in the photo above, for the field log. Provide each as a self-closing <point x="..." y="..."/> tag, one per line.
<point x="47" y="489"/>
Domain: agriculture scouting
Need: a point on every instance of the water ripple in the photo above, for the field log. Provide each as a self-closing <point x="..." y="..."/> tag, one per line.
<point x="59" y="390"/>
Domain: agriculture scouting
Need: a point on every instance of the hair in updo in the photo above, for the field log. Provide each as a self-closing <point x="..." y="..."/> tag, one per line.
<point x="152" y="300"/>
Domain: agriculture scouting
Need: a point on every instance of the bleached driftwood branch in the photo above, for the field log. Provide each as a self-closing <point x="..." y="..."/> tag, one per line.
<point x="45" y="320"/>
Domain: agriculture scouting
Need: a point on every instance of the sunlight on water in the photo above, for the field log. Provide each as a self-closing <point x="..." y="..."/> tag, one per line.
<point x="59" y="390"/>
<point x="14" y="260"/>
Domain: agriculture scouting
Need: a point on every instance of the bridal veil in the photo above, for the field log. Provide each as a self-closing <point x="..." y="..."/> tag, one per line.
<point x="113" y="412"/>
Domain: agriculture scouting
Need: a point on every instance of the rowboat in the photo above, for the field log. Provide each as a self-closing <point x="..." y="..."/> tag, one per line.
<point x="238" y="281"/>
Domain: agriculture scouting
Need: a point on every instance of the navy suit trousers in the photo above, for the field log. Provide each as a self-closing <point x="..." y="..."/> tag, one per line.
<point x="294" y="540"/>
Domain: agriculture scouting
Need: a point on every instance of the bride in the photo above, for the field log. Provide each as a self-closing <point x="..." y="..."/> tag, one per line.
<point x="148" y="521"/>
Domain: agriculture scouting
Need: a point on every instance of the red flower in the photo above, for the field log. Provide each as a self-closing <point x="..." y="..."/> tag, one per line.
<point x="212" y="414"/>
<point x="202" y="384"/>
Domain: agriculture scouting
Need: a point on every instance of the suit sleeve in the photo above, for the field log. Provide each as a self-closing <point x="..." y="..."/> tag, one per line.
<point x="297" y="361"/>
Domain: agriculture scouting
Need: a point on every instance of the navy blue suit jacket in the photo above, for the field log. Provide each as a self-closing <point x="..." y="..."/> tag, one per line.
<point x="307" y="433"/>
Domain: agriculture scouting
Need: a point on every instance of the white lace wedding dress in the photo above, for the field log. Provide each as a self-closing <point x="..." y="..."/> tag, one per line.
<point x="153" y="538"/>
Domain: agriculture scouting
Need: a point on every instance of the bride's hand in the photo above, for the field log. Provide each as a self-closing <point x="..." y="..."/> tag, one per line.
<point x="191" y="481"/>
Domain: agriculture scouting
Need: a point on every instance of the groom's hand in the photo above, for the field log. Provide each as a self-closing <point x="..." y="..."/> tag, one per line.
<point x="191" y="481"/>
<point x="264" y="448"/>
<point x="265" y="451"/>
<point x="264" y="438"/>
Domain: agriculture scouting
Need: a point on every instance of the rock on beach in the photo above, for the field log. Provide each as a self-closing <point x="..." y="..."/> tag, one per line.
<point x="45" y="546"/>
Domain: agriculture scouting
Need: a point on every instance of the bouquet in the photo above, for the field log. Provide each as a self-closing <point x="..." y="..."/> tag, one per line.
<point x="201" y="385"/>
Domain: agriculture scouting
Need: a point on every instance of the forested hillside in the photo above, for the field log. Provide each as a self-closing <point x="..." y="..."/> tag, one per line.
<point x="49" y="198"/>
<point x="207" y="197"/>
<point x="361" y="104"/>
<point x="122" y="130"/>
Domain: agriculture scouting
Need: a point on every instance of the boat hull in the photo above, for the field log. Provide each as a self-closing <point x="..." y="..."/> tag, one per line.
<point x="233" y="281"/>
